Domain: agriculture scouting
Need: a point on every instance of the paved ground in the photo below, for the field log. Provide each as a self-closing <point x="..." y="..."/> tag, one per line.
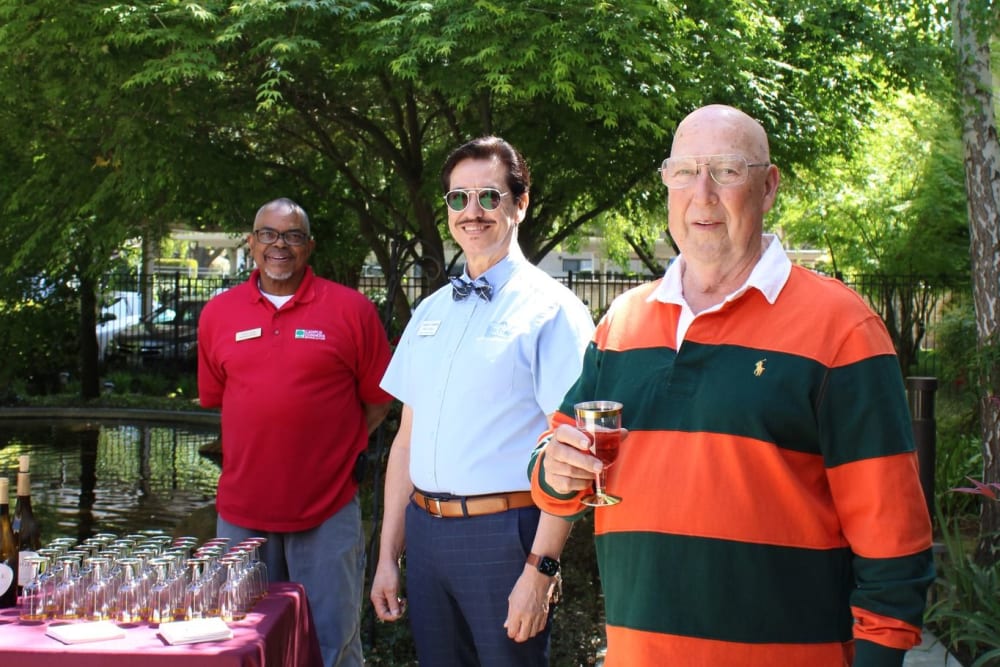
<point x="930" y="654"/>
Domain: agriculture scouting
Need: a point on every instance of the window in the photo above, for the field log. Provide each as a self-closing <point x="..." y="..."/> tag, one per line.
<point x="577" y="265"/>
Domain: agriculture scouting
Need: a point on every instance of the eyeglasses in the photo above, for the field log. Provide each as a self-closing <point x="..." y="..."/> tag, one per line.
<point x="726" y="170"/>
<point x="293" y="237"/>
<point x="489" y="198"/>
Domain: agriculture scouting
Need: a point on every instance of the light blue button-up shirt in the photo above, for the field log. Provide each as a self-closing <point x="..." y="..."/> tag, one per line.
<point x="481" y="377"/>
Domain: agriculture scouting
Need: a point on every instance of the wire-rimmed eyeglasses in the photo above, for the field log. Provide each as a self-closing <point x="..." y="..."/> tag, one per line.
<point x="726" y="170"/>
<point x="293" y="237"/>
<point x="489" y="198"/>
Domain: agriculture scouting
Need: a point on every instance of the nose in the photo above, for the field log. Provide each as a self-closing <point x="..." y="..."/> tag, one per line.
<point x="704" y="185"/>
<point x="474" y="206"/>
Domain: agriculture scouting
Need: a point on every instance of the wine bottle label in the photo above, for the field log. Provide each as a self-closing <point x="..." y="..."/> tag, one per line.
<point x="6" y="578"/>
<point x="23" y="571"/>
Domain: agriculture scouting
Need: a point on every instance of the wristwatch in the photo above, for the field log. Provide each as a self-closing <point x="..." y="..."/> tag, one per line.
<point x="547" y="566"/>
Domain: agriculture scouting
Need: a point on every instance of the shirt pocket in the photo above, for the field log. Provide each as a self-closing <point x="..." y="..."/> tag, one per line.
<point x="498" y="365"/>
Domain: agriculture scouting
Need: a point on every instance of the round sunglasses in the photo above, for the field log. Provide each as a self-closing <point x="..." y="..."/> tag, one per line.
<point x="488" y="198"/>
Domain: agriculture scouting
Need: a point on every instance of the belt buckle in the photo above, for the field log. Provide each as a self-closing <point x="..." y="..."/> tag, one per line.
<point x="434" y="513"/>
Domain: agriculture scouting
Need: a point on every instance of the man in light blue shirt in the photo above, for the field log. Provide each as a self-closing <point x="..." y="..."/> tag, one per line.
<point x="481" y="365"/>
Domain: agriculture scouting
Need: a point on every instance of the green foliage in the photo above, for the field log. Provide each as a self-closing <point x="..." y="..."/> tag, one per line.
<point x="350" y="106"/>
<point x="965" y="612"/>
<point x="959" y="458"/>
<point x="897" y="207"/>
<point x="121" y="120"/>
<point x="38" y="337"/>
<point x="956" y="345"/>
<point x="959" y="441"/>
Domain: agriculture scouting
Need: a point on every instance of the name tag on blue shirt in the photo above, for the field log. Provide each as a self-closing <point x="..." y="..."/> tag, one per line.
<point x="428" y="328"/>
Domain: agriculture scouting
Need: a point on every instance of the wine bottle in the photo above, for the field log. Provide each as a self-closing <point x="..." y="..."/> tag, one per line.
<point x="8" y="550"/>
<point x="26" y="530"/>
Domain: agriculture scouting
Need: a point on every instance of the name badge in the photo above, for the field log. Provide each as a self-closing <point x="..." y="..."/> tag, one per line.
<point x="248" y="334"/>
<point x="428" y="328"/>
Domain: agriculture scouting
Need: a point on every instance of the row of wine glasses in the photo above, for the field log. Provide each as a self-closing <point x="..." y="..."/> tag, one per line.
<point x="143" y="578"/>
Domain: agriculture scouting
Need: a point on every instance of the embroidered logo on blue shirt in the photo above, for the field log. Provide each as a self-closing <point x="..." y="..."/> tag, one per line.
<point x="498" y="330"/>
<point x="310" y="334"/>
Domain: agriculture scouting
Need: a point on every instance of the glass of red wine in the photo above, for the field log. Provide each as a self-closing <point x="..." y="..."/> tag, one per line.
<point x="602" y="422"/>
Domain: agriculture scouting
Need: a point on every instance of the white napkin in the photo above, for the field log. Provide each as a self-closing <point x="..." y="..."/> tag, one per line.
<point x="78" y="633"/>
<point x="194" y="631"/>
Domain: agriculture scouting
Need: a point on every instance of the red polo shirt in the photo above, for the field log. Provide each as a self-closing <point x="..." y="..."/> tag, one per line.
<point x="291" y="383"/>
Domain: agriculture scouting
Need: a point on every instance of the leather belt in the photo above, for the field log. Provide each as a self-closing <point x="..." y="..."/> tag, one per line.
<point x="465" y="506"/>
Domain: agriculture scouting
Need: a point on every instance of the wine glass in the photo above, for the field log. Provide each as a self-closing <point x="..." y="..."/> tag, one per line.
<point x="130" y="601"/>
<point x="38" y="590"/>
<point x="233" y="595"/>
<point x="257" y="566"/>
<point x="67" y="593"/>
<point x="98" y="598"/>
<point x="195" y="604"/>
<point x="602" y="422"/>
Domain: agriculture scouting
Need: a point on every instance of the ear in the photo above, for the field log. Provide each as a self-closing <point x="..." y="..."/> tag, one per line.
<point x="770" y="193"/>
<point x="522" y="207"/>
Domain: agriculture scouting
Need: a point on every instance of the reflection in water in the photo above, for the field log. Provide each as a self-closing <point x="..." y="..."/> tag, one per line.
<point x="88" y="482"/>
<point x="90" y="477"/>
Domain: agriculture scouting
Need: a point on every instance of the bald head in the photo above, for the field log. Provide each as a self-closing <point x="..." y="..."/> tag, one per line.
<point x="718" y="129"/>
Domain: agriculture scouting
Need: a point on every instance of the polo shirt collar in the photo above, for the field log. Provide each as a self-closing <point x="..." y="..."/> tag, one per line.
<point x="768" y="276"/>
<point x="303" y="293"/>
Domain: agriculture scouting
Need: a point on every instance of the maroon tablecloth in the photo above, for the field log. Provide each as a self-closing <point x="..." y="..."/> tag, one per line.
<point x="279" y="632"/>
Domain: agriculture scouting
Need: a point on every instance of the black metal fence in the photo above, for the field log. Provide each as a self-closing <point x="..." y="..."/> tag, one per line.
<point x="155" y="323"/>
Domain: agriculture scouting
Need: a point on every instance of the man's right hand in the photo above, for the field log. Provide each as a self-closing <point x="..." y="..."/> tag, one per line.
<point x="389" y="606"/>
<point x="569" y="466"/>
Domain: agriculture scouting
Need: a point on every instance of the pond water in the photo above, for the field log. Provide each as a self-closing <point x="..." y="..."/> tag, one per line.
<point x="91" y="476"/>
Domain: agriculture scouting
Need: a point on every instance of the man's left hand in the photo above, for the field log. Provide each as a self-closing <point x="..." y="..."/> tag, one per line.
<point x="528" y="605"/>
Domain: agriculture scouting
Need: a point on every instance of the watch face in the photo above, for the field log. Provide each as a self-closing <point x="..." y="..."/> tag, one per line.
<point x="548" y="566"/>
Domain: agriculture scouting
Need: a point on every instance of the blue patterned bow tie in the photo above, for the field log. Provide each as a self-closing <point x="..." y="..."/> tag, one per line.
<point x="460" y="289"/>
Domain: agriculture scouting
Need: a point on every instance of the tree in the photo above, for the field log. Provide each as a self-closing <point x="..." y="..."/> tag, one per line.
<point x="58" y="143"/>
<point x="359" y="102"/>
<point x="90" y="163"/>
<point x="136" y="116"/>
<point x="890" y="215"/>
<point x="974" y="23"/>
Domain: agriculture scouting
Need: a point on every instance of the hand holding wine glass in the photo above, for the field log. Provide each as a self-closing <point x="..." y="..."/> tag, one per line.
<point x="602" y="422"/>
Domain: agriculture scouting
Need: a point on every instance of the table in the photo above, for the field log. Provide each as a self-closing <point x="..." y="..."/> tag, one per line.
<point x="279" y="632"/>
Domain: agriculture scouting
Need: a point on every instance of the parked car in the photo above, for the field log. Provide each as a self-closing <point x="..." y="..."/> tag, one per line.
<point x="119" y="310"/>
<point x="168" y="334"/>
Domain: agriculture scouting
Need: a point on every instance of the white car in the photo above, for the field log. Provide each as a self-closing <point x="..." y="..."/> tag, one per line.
<point x="119" y="310"/>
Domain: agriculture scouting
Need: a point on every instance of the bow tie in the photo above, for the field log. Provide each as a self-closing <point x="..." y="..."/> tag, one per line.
<point x="461" y="289"/>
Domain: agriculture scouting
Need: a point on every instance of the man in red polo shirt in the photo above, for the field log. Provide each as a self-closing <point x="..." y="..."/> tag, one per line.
<point x="295" y="361"/>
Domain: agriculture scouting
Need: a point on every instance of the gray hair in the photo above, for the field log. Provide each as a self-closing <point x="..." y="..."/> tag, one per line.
<point x="288" y="205"/>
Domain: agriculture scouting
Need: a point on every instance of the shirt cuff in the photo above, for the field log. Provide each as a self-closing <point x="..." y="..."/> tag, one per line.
<point x="870" y="654"/>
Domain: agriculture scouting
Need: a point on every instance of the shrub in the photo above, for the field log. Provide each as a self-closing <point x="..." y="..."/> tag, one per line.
<point x="965" y="612"/>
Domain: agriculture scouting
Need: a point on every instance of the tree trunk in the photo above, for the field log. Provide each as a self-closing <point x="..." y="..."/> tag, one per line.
<point x="89" y="370"/>
<point x="982" y="179"/>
